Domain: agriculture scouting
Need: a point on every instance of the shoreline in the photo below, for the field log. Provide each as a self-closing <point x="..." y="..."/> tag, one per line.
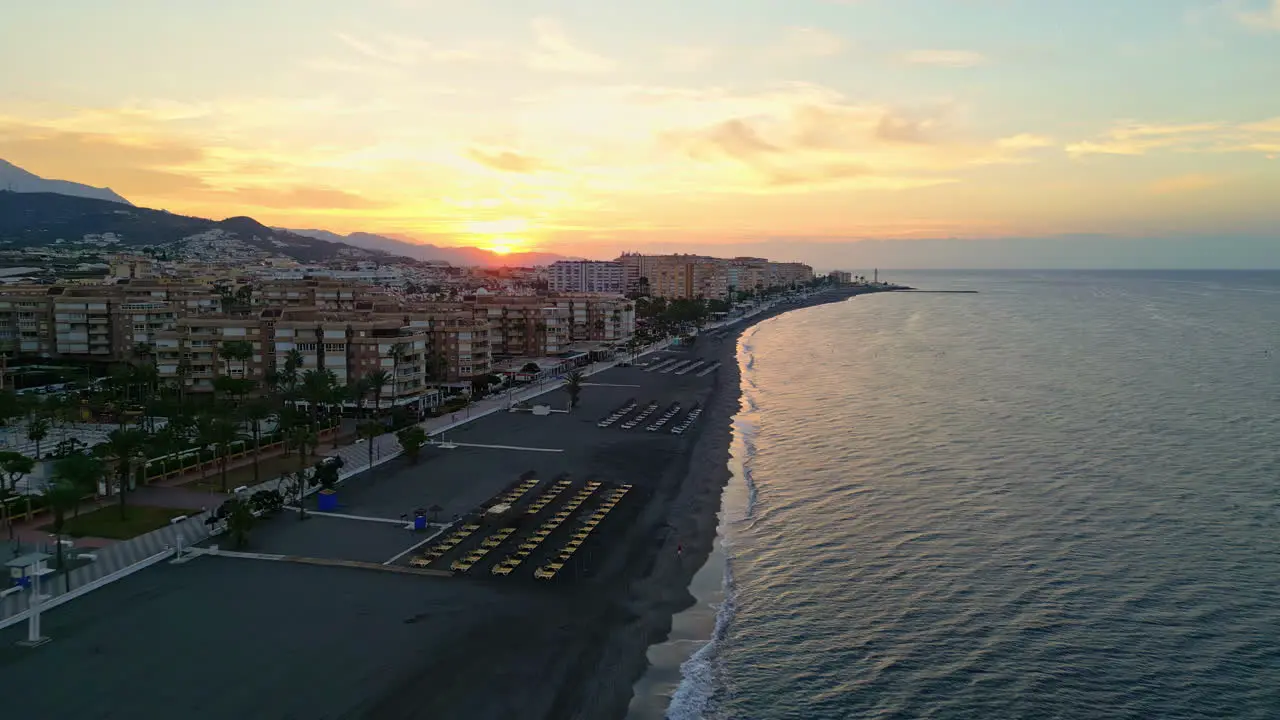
<point x="690" y="523"/>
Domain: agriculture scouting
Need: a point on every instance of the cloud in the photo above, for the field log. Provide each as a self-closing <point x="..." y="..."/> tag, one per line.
<point x="688" y="58"/>
<point x="945" y="58"/>
<point x="1266" y="20"/>
<point x="297" y="198"/>
<point x="1181" y="184"/>
<point x="507" y="161"/>
<point x="1134" y="138"/>
<point x="825" y="140"/>
<point x="407" y="51"/>
<point x="557" y="53"/>
<point x="799" y="43"/>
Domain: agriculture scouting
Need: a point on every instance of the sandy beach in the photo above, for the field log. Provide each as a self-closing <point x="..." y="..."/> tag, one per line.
<point x="225" y="637"/>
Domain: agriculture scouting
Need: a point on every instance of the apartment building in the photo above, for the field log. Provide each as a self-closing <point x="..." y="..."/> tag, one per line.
<point x="586" y="276"/>
<point x="789" y="274"/>
<point x="459" y="346"/>
<point x="353" y="347"/>
<point x="840" y="277"/>
<point x="677" y="277"/>
<point x="594" y="318"/>
<point x="192" y="350"/>
<point x="324" y="294"/>
<point x="524" y="326"/>
<point x="99" y="323"/>
<point x="26" y="321"/>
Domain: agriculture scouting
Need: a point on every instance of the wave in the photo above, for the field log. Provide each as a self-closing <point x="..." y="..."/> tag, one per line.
<point x="692" y="698"/>
<point x="698" y="682"/>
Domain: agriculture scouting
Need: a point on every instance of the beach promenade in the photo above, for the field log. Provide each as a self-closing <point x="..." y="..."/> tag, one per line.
<point x="220" y="636"/>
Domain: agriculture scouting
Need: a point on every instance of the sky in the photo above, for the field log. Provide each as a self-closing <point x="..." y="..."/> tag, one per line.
<point x="588" y="127"/>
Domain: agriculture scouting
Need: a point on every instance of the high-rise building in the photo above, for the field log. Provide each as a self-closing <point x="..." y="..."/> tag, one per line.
<point x="587" y="276"/>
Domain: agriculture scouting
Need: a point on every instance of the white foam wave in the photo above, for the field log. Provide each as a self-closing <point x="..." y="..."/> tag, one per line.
<point x="698" y="683"/>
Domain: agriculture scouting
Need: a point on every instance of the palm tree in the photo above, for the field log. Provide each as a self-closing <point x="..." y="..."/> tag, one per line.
<point x="302" y="437"/>
<point x="573" y="385"/>
<point x="74" y="476"/>
<point x="254" y="414"/>
<point x="205" y="435"/>
<point x="224" y="434"/>
<point x="37" y="431"/>
<point x="317" y="390"/>
<point x="181" y="374"/>
<point x="370" y="432"/>
<point x="377" y="380"/>
<point x="123" y="447"/>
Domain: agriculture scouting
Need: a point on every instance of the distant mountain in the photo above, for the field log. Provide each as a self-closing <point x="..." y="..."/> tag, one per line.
<point x="15" y="179"/>
<point x="459" y="256"/>
<point x="38" y="219"/>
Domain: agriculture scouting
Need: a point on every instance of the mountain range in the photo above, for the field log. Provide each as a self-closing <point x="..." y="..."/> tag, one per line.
<point x="40" y="218"/>
<point x="15" y="179"/>
<point x="36" y="211"/>
<point x="461" y="256"/>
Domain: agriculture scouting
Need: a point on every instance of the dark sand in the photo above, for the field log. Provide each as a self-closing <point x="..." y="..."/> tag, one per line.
<point x="229" y="637"/>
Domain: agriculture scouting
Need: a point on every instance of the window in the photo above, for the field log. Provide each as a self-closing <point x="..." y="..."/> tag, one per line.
<point x="306" y="347"/>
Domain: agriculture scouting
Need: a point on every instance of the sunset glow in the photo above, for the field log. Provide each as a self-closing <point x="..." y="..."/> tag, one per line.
<point x="661" y="125"/>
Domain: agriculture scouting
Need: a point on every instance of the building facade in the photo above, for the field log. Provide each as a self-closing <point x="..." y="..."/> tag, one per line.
<point x="586" y="276"/>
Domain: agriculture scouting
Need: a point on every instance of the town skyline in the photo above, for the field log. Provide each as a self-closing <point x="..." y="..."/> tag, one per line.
<point x="802" y="127"/>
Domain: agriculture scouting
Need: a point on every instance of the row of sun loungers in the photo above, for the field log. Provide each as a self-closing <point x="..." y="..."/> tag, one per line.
<point x="641" y="417"/>
<point x="617" y="414"/>
<point x="515" y="493"/>
<point x="662" y="365"/>
<point x="436" y="551"/>
<point x="671" y="412"/>
<point x="465" y="562"/>
<point x="548" y="571"/>
<point x="544" y="531"/>
<point x="688" y="420"/>
<point x="691" y="368"/>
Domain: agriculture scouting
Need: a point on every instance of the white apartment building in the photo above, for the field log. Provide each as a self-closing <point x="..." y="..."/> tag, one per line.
<point x="587" y="276"/>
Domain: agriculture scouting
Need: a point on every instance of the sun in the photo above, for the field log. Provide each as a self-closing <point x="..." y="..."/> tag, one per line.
<point x="501" y="237"/>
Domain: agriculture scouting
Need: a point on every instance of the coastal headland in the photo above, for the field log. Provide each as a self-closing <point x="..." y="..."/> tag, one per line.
<point x="221" y="636"/>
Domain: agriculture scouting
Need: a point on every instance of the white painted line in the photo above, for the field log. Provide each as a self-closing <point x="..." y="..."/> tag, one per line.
<point x="389" y="521"/>
<point x="609" y="385"/>
<point x="416" y="545"/>
<point x="505" y="447"/>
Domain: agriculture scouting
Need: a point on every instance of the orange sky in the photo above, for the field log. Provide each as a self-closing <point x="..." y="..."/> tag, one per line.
<point x="662" y="128"/>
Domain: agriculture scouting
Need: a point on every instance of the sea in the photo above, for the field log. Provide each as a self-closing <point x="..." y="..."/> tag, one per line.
<point x="1058" y="497"/>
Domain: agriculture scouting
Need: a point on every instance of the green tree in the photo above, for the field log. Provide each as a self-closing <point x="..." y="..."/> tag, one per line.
<point x="370" y="432"/>
<point x="411" y="440"/>
<point x="254" y="414"/>
<point x="376" y="381"/>
<point x="37" y="431"/>
<point x="74" y="476"/>
<point x="124" y="447"/>
<point x="240" y="521"/>
<point x="573" y="385"/>
<point x="302" y="437"/>
<point x="224" y="433"/>
<point x="15" y="465"/>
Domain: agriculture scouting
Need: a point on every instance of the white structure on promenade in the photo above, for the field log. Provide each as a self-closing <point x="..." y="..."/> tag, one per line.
<point x="586" y="276"/>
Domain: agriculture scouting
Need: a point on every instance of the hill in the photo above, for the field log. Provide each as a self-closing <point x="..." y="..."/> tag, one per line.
<point x="15" y="179"/>
<point x="40" y="219"/>
<point x="459" y="256"/>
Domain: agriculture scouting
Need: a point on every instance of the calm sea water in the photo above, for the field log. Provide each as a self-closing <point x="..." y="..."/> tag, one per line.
<point x="1059" y="498"/>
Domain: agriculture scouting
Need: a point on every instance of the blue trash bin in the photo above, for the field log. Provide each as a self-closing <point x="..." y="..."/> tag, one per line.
<point x="327" y="501"/>
<point x="420" y="522"/>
